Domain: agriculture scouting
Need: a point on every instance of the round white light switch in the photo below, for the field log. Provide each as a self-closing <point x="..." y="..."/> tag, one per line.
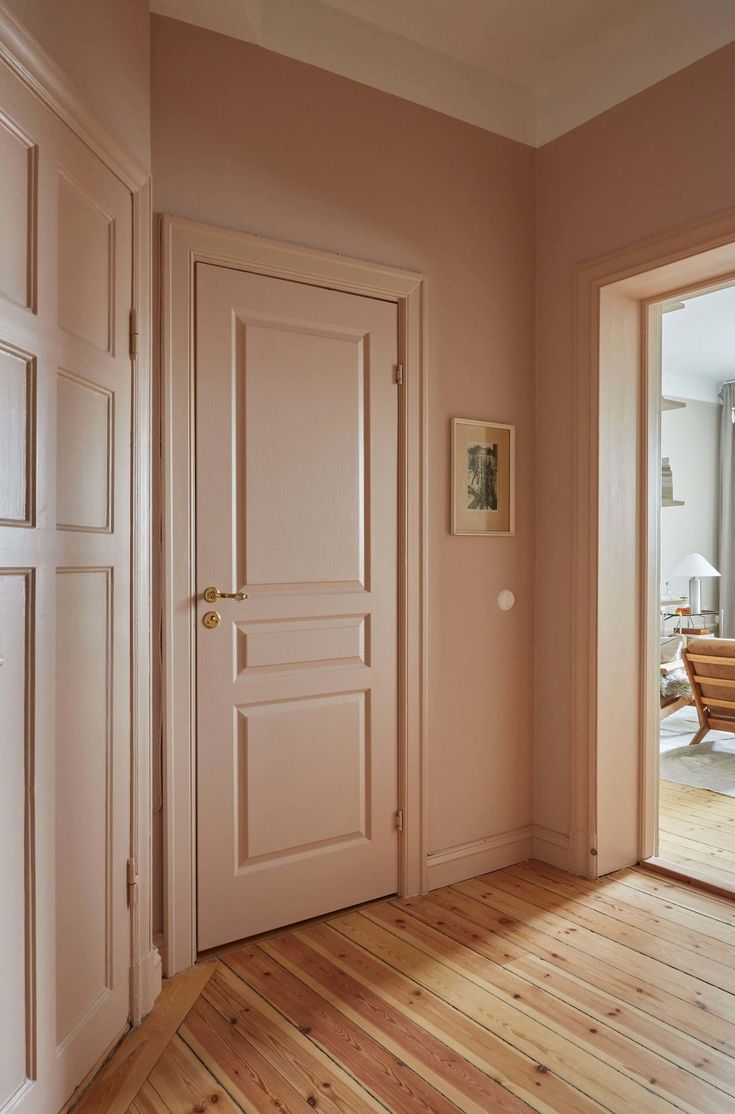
<point x="506" y="599"/>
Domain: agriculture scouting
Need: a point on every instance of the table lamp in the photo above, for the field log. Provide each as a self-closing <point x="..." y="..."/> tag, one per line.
<point x="695" y="566"/>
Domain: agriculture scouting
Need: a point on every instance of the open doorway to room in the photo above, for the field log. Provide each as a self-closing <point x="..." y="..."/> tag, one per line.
<point x="617" y="618"/>
<point x="696" y="816"/>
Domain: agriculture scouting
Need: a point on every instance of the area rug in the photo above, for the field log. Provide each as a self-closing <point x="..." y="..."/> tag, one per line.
<point x="709" y="765"/>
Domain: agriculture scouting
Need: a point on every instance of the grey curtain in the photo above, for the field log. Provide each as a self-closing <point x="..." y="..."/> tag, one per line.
<point x="727" y="512"/>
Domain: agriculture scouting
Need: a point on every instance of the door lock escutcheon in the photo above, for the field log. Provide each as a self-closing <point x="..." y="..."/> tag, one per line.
<point x="212" y="619"/>
<point x="213" y="594"/>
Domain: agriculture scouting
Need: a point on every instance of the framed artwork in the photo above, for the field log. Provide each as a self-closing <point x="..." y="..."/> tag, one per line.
<point x="483" y="477"/>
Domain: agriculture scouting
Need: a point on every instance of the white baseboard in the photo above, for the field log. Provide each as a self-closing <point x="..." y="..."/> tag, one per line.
<point x="146" y="981"/>
<point x="551" y="846"/>
<point x="467" y="860"/>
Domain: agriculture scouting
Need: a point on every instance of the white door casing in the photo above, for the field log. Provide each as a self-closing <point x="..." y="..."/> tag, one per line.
<point x="65" y="605"/>
<point x="185" y="244"/>
<point x="613" y="341"/>
<point x="297" y="486"/>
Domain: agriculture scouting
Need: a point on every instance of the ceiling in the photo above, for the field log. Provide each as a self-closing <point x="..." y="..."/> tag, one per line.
<point x="698" y="350"/>
<point x="527" y="69"/>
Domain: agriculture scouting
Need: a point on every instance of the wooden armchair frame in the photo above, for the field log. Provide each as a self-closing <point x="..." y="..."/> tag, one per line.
<point x="710" y="666"/>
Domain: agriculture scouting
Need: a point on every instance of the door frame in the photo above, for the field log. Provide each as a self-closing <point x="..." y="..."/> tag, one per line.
<point x="615" y="779"/>
<point x="183" y="244"/>
<point x="652" y="314"/>
<point x="27" y="59"/>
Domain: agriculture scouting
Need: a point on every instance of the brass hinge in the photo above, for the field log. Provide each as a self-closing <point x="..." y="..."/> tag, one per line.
<point x="399" y="820"/>
<point x="132" y="879"/>
<point x="133" y="333"/>
<point x="399" y="374"/>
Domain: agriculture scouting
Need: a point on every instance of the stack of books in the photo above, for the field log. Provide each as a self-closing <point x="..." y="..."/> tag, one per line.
<point x="667" y="480"/>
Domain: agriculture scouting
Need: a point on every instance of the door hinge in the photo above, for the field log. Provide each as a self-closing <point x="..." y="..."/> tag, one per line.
<point x="133" y="333"/>
<point x="132" y="879"/>
<point x="399" y="374"/>
<point x="398" y="818"/>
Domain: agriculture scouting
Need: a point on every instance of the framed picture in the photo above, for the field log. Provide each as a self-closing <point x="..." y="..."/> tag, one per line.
<point x="483" y="477"/>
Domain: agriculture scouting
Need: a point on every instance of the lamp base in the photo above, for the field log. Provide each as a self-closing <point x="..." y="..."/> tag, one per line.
<point x="695" y="595"/>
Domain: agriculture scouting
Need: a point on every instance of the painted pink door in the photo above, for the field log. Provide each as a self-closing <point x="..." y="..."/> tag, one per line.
<point x="296" y="431"/>
<point x="65" y="399"/>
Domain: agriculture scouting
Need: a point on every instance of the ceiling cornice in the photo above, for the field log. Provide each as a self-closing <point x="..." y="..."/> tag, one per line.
<point x="591" y="77"/>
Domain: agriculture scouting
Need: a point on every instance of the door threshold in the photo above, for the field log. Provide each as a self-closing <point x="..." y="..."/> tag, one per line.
<point x="689" y="875"/>
<point x="285" y="929"/>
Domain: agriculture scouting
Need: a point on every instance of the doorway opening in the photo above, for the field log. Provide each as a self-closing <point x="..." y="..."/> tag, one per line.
<point x="617" y="614"/>
<point x="696" y="661"/>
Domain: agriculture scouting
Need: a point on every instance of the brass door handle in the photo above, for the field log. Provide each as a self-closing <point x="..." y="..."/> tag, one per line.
<point x="213" y="594"/>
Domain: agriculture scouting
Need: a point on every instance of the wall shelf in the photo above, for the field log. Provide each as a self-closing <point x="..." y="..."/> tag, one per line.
<point x="672" y="404"/>
<point x="672" y="503"/>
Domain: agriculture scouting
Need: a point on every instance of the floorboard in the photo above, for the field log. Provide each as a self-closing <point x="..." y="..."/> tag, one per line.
<point x="524" y="990"/>
<point x="697" y="829"/>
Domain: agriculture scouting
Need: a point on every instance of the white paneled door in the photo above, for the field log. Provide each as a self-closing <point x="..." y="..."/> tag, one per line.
<point x="296" y="484"/>
<point x="65" y="413"/>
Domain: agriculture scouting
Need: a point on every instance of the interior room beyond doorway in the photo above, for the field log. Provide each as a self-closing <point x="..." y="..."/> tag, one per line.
<point x="696" y="757"/>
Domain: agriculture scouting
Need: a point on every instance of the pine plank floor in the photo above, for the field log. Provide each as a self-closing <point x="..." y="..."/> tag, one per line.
<point x="525" y="989"/>
<point x="697" y="830"/>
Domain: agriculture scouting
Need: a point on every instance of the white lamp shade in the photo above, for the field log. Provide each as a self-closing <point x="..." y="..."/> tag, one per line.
<point x="695" y="565"/>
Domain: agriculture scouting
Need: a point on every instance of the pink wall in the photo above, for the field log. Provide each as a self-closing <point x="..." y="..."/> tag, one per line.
<point x="660" y="159"/>
<point x="251" y="140"/>
<point x="103" y="46"/>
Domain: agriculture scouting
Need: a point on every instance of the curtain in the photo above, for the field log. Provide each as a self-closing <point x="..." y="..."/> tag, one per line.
<point x="727" y="512"/>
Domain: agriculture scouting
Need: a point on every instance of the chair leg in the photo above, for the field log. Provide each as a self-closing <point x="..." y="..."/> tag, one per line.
<point x="700" y="735"/>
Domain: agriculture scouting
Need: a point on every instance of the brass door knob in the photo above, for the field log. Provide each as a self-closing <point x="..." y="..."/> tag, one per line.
<point x="213" y="594"/>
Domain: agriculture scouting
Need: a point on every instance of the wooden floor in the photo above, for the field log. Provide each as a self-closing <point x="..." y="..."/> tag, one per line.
<point x="523" y="989"/>
<point x="697" y="830"/>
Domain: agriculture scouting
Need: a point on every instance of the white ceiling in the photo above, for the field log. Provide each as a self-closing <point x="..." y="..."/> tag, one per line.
<point x="698" y="350"/>
<point x="527" y="69"/>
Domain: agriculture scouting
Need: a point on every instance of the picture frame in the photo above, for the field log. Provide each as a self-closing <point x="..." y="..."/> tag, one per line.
<point x="483" y="478"/>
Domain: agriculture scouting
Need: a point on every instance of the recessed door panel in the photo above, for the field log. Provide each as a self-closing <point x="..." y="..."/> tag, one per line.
<point x="17" y="959"/>
<point x="84" y="683"/>
<point x="301" y="644"/>
<point x="86" y="244"/>
<point x="17" y="423"/>
<point x="83" y="454"/>
<point x="284" y="751"/>
<point x="297" y="386"/>
<point x="17" y="213"/>
<point x="297" y="695"/>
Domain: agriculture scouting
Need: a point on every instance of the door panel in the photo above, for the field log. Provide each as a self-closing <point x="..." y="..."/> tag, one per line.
<point x="17" y="215"/>
<point x="85" y="294"/>
<point x="17" y="379"/>
<point x="16" y="954"/>
<point x="297" y="507"/>
<point x="83" y="454"/>
<point x="285" y="476"/>
<point x="83" y="758"/>
<point x="65" y="436"/>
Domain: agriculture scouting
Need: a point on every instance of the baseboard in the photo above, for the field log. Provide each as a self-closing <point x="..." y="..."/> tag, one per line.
<point x="551" y="846"/>
<point x="467" y="860"/>
<point x="145" y="984"/>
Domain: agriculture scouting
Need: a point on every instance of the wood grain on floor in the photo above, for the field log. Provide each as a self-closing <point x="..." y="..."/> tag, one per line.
<point x="526" y="989"/>
<point x="697" y="830"/>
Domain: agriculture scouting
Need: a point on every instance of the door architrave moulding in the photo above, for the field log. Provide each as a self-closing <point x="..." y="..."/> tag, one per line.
<point x="613" y="296"/>
<point x="184" y="244"/>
